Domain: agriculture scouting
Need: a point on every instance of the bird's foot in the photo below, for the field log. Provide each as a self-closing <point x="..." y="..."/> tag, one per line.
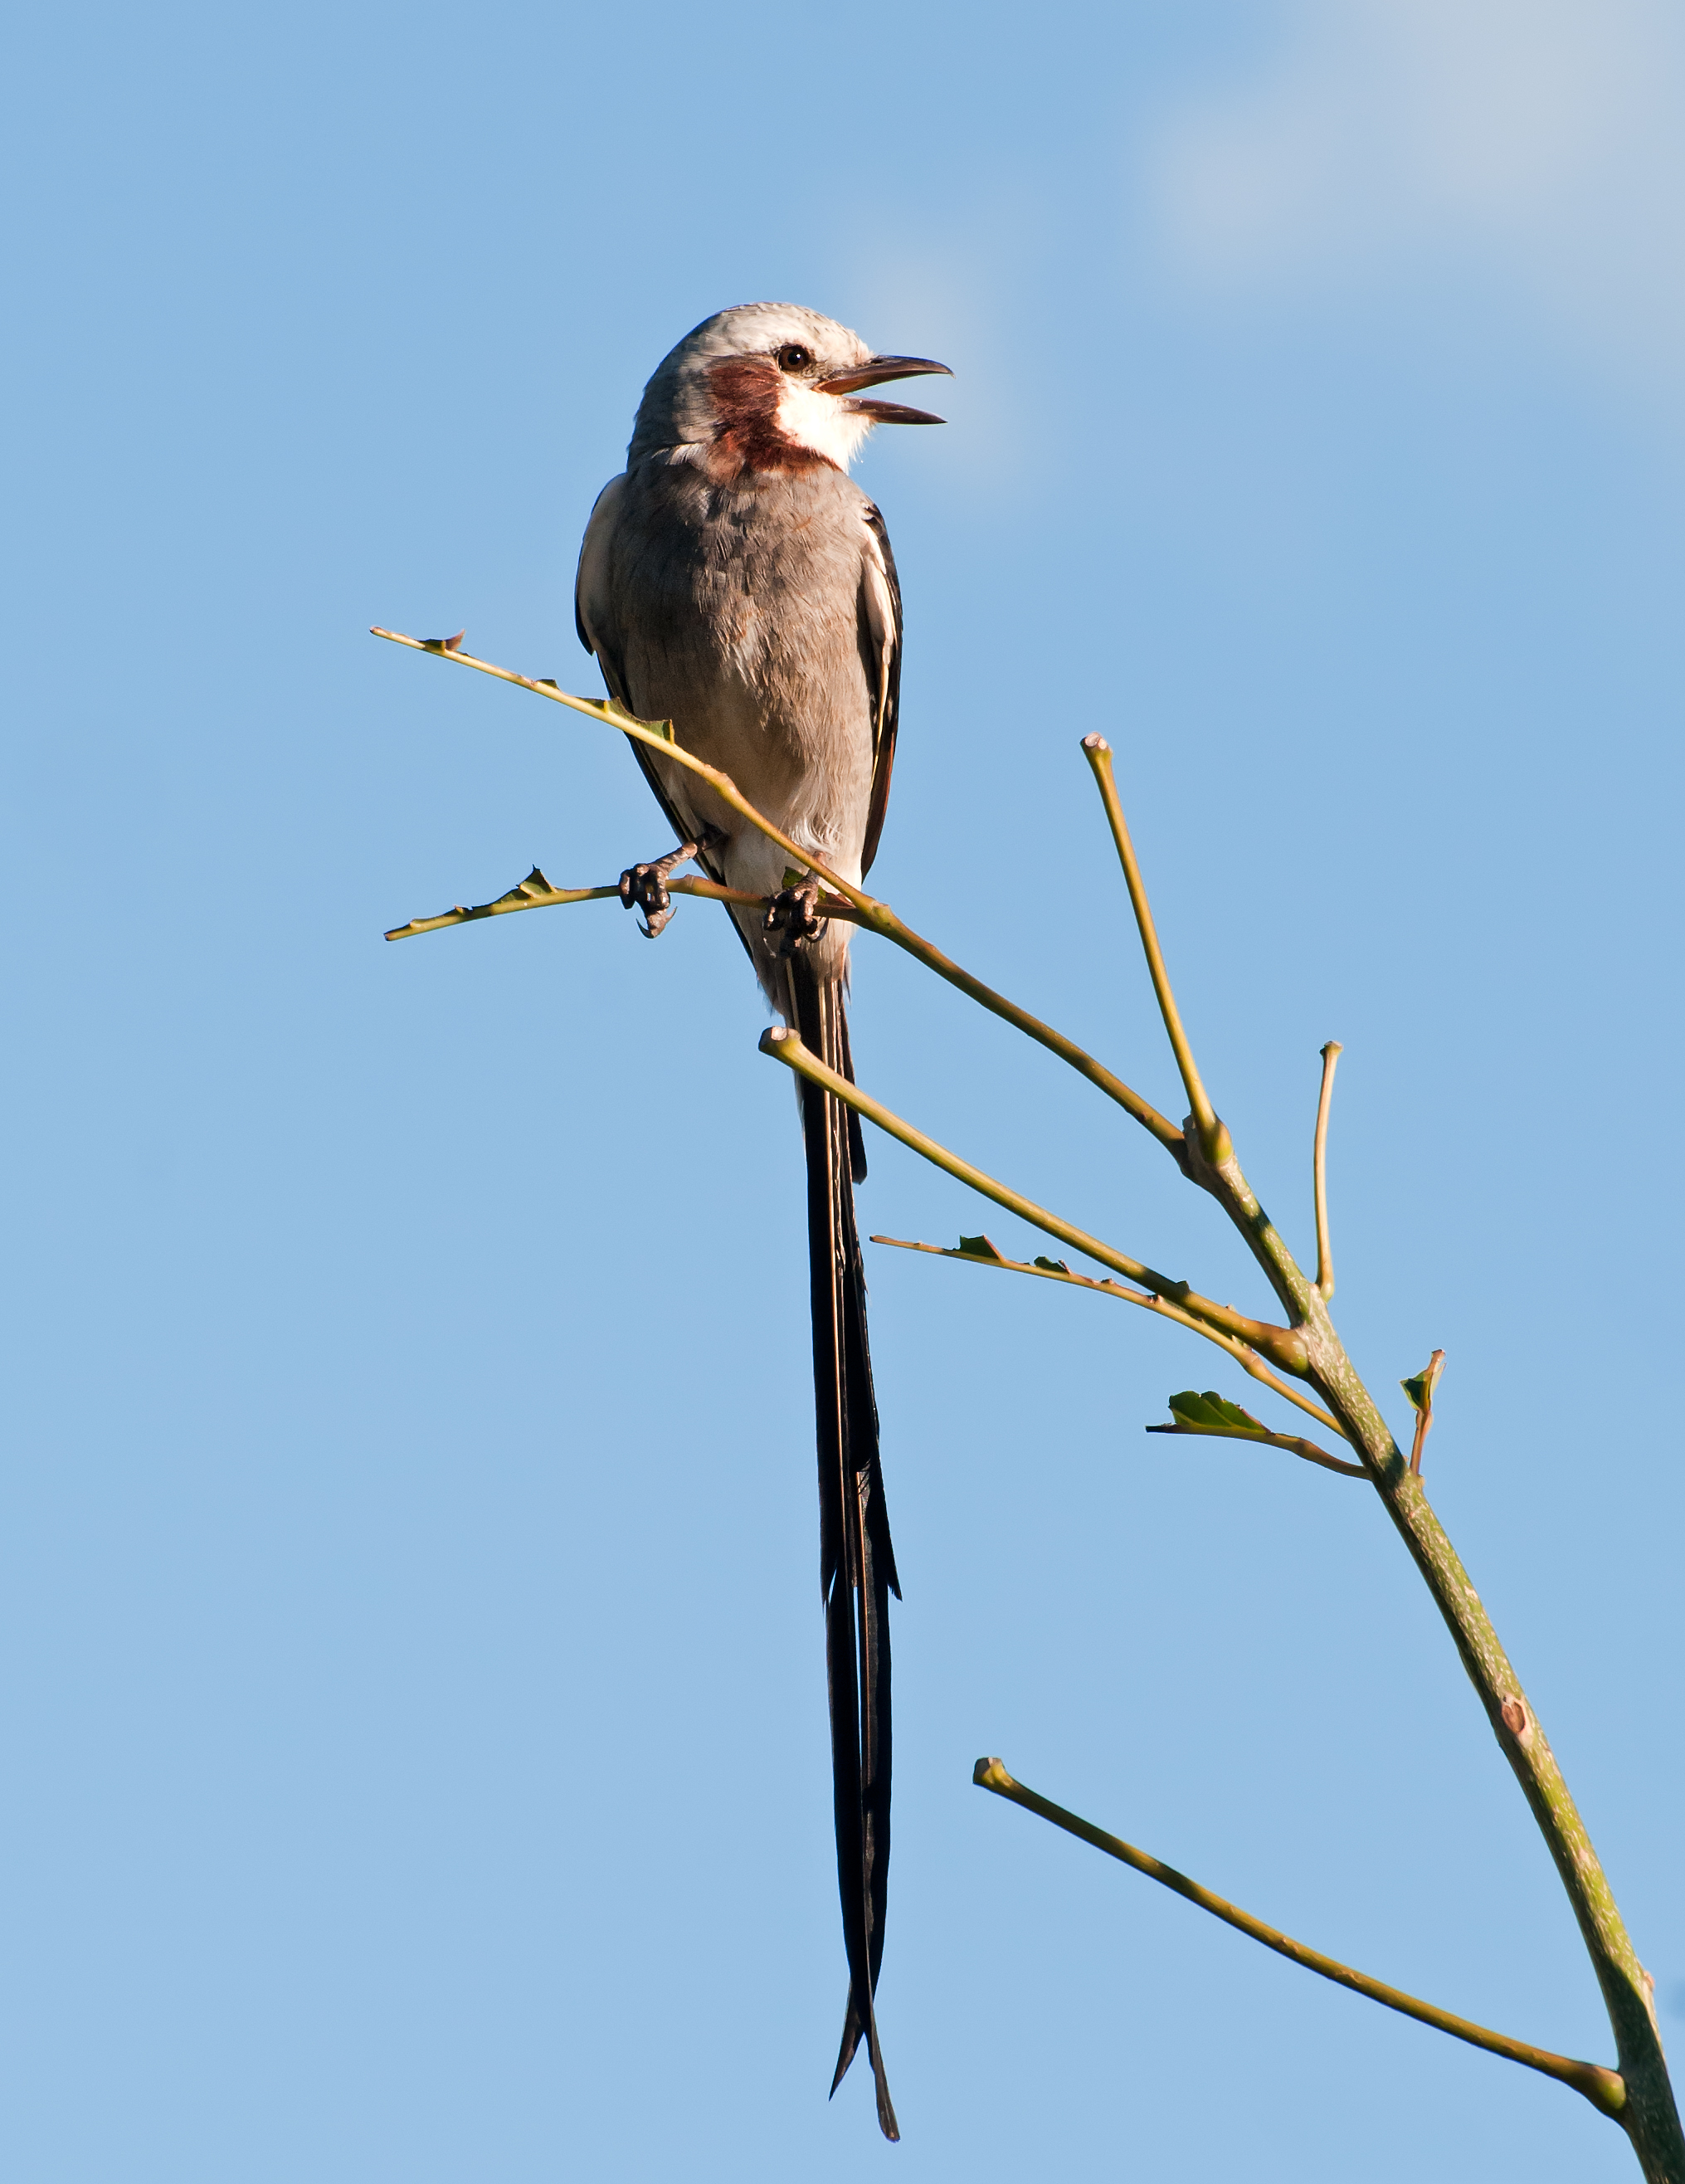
<point x="793" y="915"/>
<point x="644" y="887"/>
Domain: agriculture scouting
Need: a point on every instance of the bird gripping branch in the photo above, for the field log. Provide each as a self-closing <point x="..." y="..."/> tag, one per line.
<point x="734" y="581"/>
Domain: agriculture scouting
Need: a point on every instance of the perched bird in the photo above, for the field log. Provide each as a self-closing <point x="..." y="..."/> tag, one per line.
<point x="736" y="582"/>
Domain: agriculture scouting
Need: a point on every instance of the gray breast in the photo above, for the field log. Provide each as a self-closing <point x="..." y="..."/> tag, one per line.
<point x="734" y="609"/>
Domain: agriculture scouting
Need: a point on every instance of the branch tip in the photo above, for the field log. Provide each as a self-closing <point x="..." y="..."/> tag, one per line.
<point x="1213" y="1137"/>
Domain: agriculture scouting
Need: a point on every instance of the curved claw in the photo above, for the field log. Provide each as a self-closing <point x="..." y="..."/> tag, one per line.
<point x="794" y="914"/>
<point x="644" y="887"/>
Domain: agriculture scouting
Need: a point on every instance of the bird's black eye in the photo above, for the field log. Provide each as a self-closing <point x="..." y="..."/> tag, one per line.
<point x="793" y="357"/>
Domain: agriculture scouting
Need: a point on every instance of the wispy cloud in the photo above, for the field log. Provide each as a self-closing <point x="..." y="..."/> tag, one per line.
<point x="1536" y="144"/>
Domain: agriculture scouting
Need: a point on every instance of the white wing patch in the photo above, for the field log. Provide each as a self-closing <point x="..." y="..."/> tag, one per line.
<point x="880" y="623"/>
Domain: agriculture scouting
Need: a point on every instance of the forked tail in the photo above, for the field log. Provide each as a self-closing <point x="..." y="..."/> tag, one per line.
<point x="856" y="1562"/>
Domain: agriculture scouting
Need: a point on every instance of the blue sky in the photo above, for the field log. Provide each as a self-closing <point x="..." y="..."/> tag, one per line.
<point x="414" y="1688"/>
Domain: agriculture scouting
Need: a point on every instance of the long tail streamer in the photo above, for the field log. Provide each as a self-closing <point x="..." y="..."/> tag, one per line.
<point x="857" y="1562"/>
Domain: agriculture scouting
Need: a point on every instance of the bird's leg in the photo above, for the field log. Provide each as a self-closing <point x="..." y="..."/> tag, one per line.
<point x="644" y="887"/>
<point x="793" y="914"/>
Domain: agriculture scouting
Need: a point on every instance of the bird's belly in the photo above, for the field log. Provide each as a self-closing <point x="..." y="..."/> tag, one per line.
<point x="783" y="711"/>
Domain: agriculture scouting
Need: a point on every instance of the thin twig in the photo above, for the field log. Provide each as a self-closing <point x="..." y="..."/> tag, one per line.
<point x="883" y="920"/>
<point x="1049" y="1270"/>
<point x="1325" y="1249"/>
<point x="869" y="912"/>
<point x="1605" y="2089"/>
<point x="1283" y="1347"/>
<point x="535" y="892"/>
<point x="1213" y="1138"/>
<point x="1294" y="1444"/>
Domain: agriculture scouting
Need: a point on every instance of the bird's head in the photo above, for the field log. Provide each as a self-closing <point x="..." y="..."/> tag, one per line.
<point x="770" y="386"/>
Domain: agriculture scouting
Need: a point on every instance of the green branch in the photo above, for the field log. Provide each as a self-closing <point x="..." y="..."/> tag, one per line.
<point x="869" y="911"/>
<point x="1055" y="1270"/>
<point x="1605" y="2089"/>
<point x="1641" y="2095"/>
<point x="1649" y="2115"/>
<point x="1279" y="1344"/>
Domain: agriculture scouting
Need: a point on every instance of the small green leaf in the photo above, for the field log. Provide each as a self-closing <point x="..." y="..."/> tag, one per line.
<point x="1420" y="1386"/>
<point x="979" y="1247"/>
<point x="1052" y="1265"/>
<point x="1211" y="1409"/>
<point x="616" y="712"/>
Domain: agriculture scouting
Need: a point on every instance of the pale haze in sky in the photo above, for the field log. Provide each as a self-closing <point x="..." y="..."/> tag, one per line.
<point x="1534" y="144"/>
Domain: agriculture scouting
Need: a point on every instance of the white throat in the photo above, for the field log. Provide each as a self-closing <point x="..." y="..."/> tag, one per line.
<point x="821" y="422"/>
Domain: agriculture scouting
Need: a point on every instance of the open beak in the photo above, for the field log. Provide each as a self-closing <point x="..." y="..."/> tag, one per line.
<point x="873" y="373"/>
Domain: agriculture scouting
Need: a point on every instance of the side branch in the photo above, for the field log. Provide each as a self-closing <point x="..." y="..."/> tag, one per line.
<point x="1282" y="1346"/>
<point x="867" y="910"/>
<point x="1212" y="1416"/>
<point x="1055" y="1270"/>
<point x="1156" y="1125"/>
<point x="1325" y="1249"/>
<point x="1605" y="2089"/>
<point x="1213" y="1139"/>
